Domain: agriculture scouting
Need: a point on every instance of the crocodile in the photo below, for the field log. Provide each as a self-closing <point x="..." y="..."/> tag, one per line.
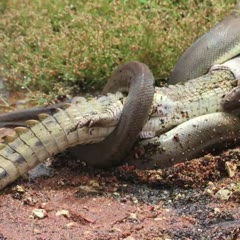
<point x="92" y="120"/>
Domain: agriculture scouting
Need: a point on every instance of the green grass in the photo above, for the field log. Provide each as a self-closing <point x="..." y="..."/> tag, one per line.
<point x="54" y="45"/>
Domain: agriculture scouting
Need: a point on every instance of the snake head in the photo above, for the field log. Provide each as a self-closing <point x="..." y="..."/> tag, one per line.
<point x="231" y="102"/>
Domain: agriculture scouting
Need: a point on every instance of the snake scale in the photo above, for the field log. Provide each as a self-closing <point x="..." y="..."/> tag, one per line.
<point x="138" y="79"/>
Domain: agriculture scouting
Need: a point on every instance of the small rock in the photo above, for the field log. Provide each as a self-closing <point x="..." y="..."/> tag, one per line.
<point x="116" y="194"/>
<point x="210" y="183"/>
<point x="47" y="206"/>
<point x="19" y="189"/>
<point x="88" y="189"/>
<point x="134" y="200"/>
<point x="115" y="229"/>
<point x="209" y="191"/>
<point x="94" y="184"/>
<point x="217" y="210"/>
<point x="123" y="200"/>
<point x="130" y="238"/>
<point x="36" y="231"/>
<point x="231" y="168"/>
<point x="64" y="213"/>
<point x="224" y="194"/>
<point x="30" y="201"/>
<point x="71" y="224"/>
<point x="41" y="170"/>
<point x="39" y="213"/>
<point x="61" y="183"/>
<point x="133" y="216"/>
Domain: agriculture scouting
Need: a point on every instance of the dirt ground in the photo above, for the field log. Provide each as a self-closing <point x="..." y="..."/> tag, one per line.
<point x="199" y="199"/>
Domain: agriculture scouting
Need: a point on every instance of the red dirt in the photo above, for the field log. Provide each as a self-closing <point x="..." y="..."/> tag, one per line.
<point x="182" y="202"/>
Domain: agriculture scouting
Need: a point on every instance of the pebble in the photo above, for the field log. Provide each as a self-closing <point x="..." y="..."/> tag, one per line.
<point x="224" y="194"/>
<point x="64" y="213"/>
<point x="130" y="238"/>
<point x="231" y="168"/>
<point x="19" y="189"/>
<point x="71" y="224"/>
<point x="133" y="216"/>
<point x="39" y="213"/>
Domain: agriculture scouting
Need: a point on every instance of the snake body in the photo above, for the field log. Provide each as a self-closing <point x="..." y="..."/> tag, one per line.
<point x="218" y="45"/>
<point x="136" y="79"/>
<point x="189" y="140"/>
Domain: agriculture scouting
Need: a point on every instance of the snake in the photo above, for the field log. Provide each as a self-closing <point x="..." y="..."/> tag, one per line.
<point x="217" y="46"/>
<point x="221" y="43"/>
<point x="137" y="80"/>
